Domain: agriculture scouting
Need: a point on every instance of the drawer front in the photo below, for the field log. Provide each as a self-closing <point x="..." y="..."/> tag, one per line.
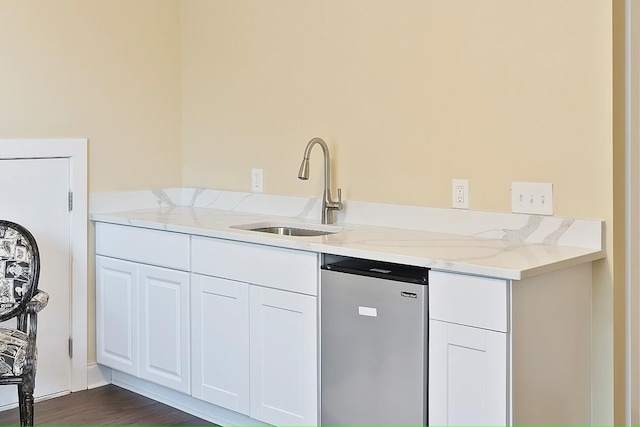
<point x="279" y="268"/>
<point x="161" y="248"/>
<point x="481" y="302"/>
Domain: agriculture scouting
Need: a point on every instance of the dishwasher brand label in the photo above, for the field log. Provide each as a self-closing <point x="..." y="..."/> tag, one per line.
<point x="367" y="311"/>
<point x="409" y="294"/>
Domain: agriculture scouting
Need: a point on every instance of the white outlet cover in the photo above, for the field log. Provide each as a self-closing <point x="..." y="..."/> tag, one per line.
<point x="535" y="198"/>
<point x="257" y="180"/>
<point x="460" y="193"/>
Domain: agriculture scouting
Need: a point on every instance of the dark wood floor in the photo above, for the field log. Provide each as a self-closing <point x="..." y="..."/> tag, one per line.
<point x="108" y="405"/>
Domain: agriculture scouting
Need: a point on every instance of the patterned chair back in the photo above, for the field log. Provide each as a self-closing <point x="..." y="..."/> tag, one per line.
<point x="19" y="268"/>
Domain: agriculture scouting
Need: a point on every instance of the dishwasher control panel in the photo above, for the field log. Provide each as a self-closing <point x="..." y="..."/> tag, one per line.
<point x="379" y="269"/>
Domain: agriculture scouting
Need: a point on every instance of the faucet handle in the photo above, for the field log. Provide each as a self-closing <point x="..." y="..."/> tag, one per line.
<point x="340" y="205"/>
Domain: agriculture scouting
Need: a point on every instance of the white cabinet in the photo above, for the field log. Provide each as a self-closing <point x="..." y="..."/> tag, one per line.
<point x="468" y="367"/>
<point x="510" y="352"/>
<point x="220" y="342"/>
<point x="164" y="327"/>
<point x="469" y="300"/>
<point x="142" y="321"/>
<point x="143" y="307"/>
<point x="468" y="385"/>
<point x="143" y="245"/>
<point x="268" y="368"/>
<point x="231" y="323"/>
<point x="284" y="387"/>
<point x="278" y="268"/>
<point x="255" y="350"/>
<point x="117" y="315"/>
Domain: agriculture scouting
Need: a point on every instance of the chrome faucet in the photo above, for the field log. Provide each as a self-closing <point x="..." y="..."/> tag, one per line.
<point x="328" y="205"/>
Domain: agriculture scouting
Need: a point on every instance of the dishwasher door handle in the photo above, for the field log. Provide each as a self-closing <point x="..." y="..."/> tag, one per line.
<point x="367" y="311"/>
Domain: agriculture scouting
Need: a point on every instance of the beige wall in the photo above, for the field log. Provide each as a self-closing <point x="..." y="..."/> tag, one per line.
<point x="107" y="70"/>
<point x="409" y="95"/>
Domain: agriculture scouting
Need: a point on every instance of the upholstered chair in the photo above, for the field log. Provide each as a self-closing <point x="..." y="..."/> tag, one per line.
<point x="20" y="299"/>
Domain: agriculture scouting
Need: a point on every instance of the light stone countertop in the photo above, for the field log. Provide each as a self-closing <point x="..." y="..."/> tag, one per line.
<point x="483" y="256"/>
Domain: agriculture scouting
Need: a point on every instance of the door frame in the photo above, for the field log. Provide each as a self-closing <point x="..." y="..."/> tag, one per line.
<point x="76" y="151"/>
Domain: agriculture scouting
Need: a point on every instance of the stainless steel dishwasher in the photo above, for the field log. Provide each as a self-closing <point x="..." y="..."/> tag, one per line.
<point x="374" y="343"/>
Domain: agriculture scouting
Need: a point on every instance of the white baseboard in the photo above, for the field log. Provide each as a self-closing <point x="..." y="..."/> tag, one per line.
<point x="184" y="402"/>
<point x="98" y="375"/>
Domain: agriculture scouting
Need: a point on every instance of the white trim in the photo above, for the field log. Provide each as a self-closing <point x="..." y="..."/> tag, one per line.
<point x="98" y="375"/>
<point x="36" y="400"/>
<point x="191" y="405"/>
<point x="76" y="151"/>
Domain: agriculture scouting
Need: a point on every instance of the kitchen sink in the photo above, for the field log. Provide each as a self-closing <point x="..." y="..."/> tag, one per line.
<point x="288" y="229"/>
<point x="291" y="231"/>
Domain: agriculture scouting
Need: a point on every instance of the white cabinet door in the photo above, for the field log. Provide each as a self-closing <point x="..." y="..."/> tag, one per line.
<point x="467" y="375"/>
<point x="117" y="314"/>
<point x="284" y="374"/>
<point x="164" y="327"/>
<point x="220" y="342"/>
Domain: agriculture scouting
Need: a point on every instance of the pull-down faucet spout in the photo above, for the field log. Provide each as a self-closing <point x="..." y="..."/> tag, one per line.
<point x="328" y="205"/>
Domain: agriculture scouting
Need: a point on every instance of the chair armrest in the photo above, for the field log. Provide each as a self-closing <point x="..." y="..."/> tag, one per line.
<point x="35" y="304"/>
<point x="38" y="302"/>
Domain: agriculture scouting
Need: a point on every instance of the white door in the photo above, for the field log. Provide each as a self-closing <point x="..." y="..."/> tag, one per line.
<point x="284" y="357"/>
<point x="165" y="347"/>
<point x="117" y="315"/>
<point x="35" y="195"/>
<point x="220" y="342"/>
<point x="467" y="375"/>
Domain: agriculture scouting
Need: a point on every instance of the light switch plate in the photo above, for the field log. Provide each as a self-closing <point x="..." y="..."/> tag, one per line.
<point x="534" y="198"/>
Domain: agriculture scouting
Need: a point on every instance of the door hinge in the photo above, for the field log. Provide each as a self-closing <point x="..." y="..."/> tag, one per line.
<point x="70" y="201"/>
<point x="70" y="347"/>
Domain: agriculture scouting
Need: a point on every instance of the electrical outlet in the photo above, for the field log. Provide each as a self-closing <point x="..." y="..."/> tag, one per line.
<point x="256" y="180"/>
<point x="532" y="198"/>
<point x="460" y="193"/>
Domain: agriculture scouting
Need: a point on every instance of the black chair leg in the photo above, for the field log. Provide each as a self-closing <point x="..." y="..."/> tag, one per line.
<point x="28" y="406"/>
<point x="21" y="404"/>
<point x="25" y="399"/>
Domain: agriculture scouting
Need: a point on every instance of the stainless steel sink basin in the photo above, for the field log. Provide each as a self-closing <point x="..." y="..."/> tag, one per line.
<point x="289" y="229"/>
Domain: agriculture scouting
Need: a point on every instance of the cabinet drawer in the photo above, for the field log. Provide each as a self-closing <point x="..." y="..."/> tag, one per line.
<point x="279" y="268"/>
<point x="161" y="248"/>
<point x="481" y="302"/>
